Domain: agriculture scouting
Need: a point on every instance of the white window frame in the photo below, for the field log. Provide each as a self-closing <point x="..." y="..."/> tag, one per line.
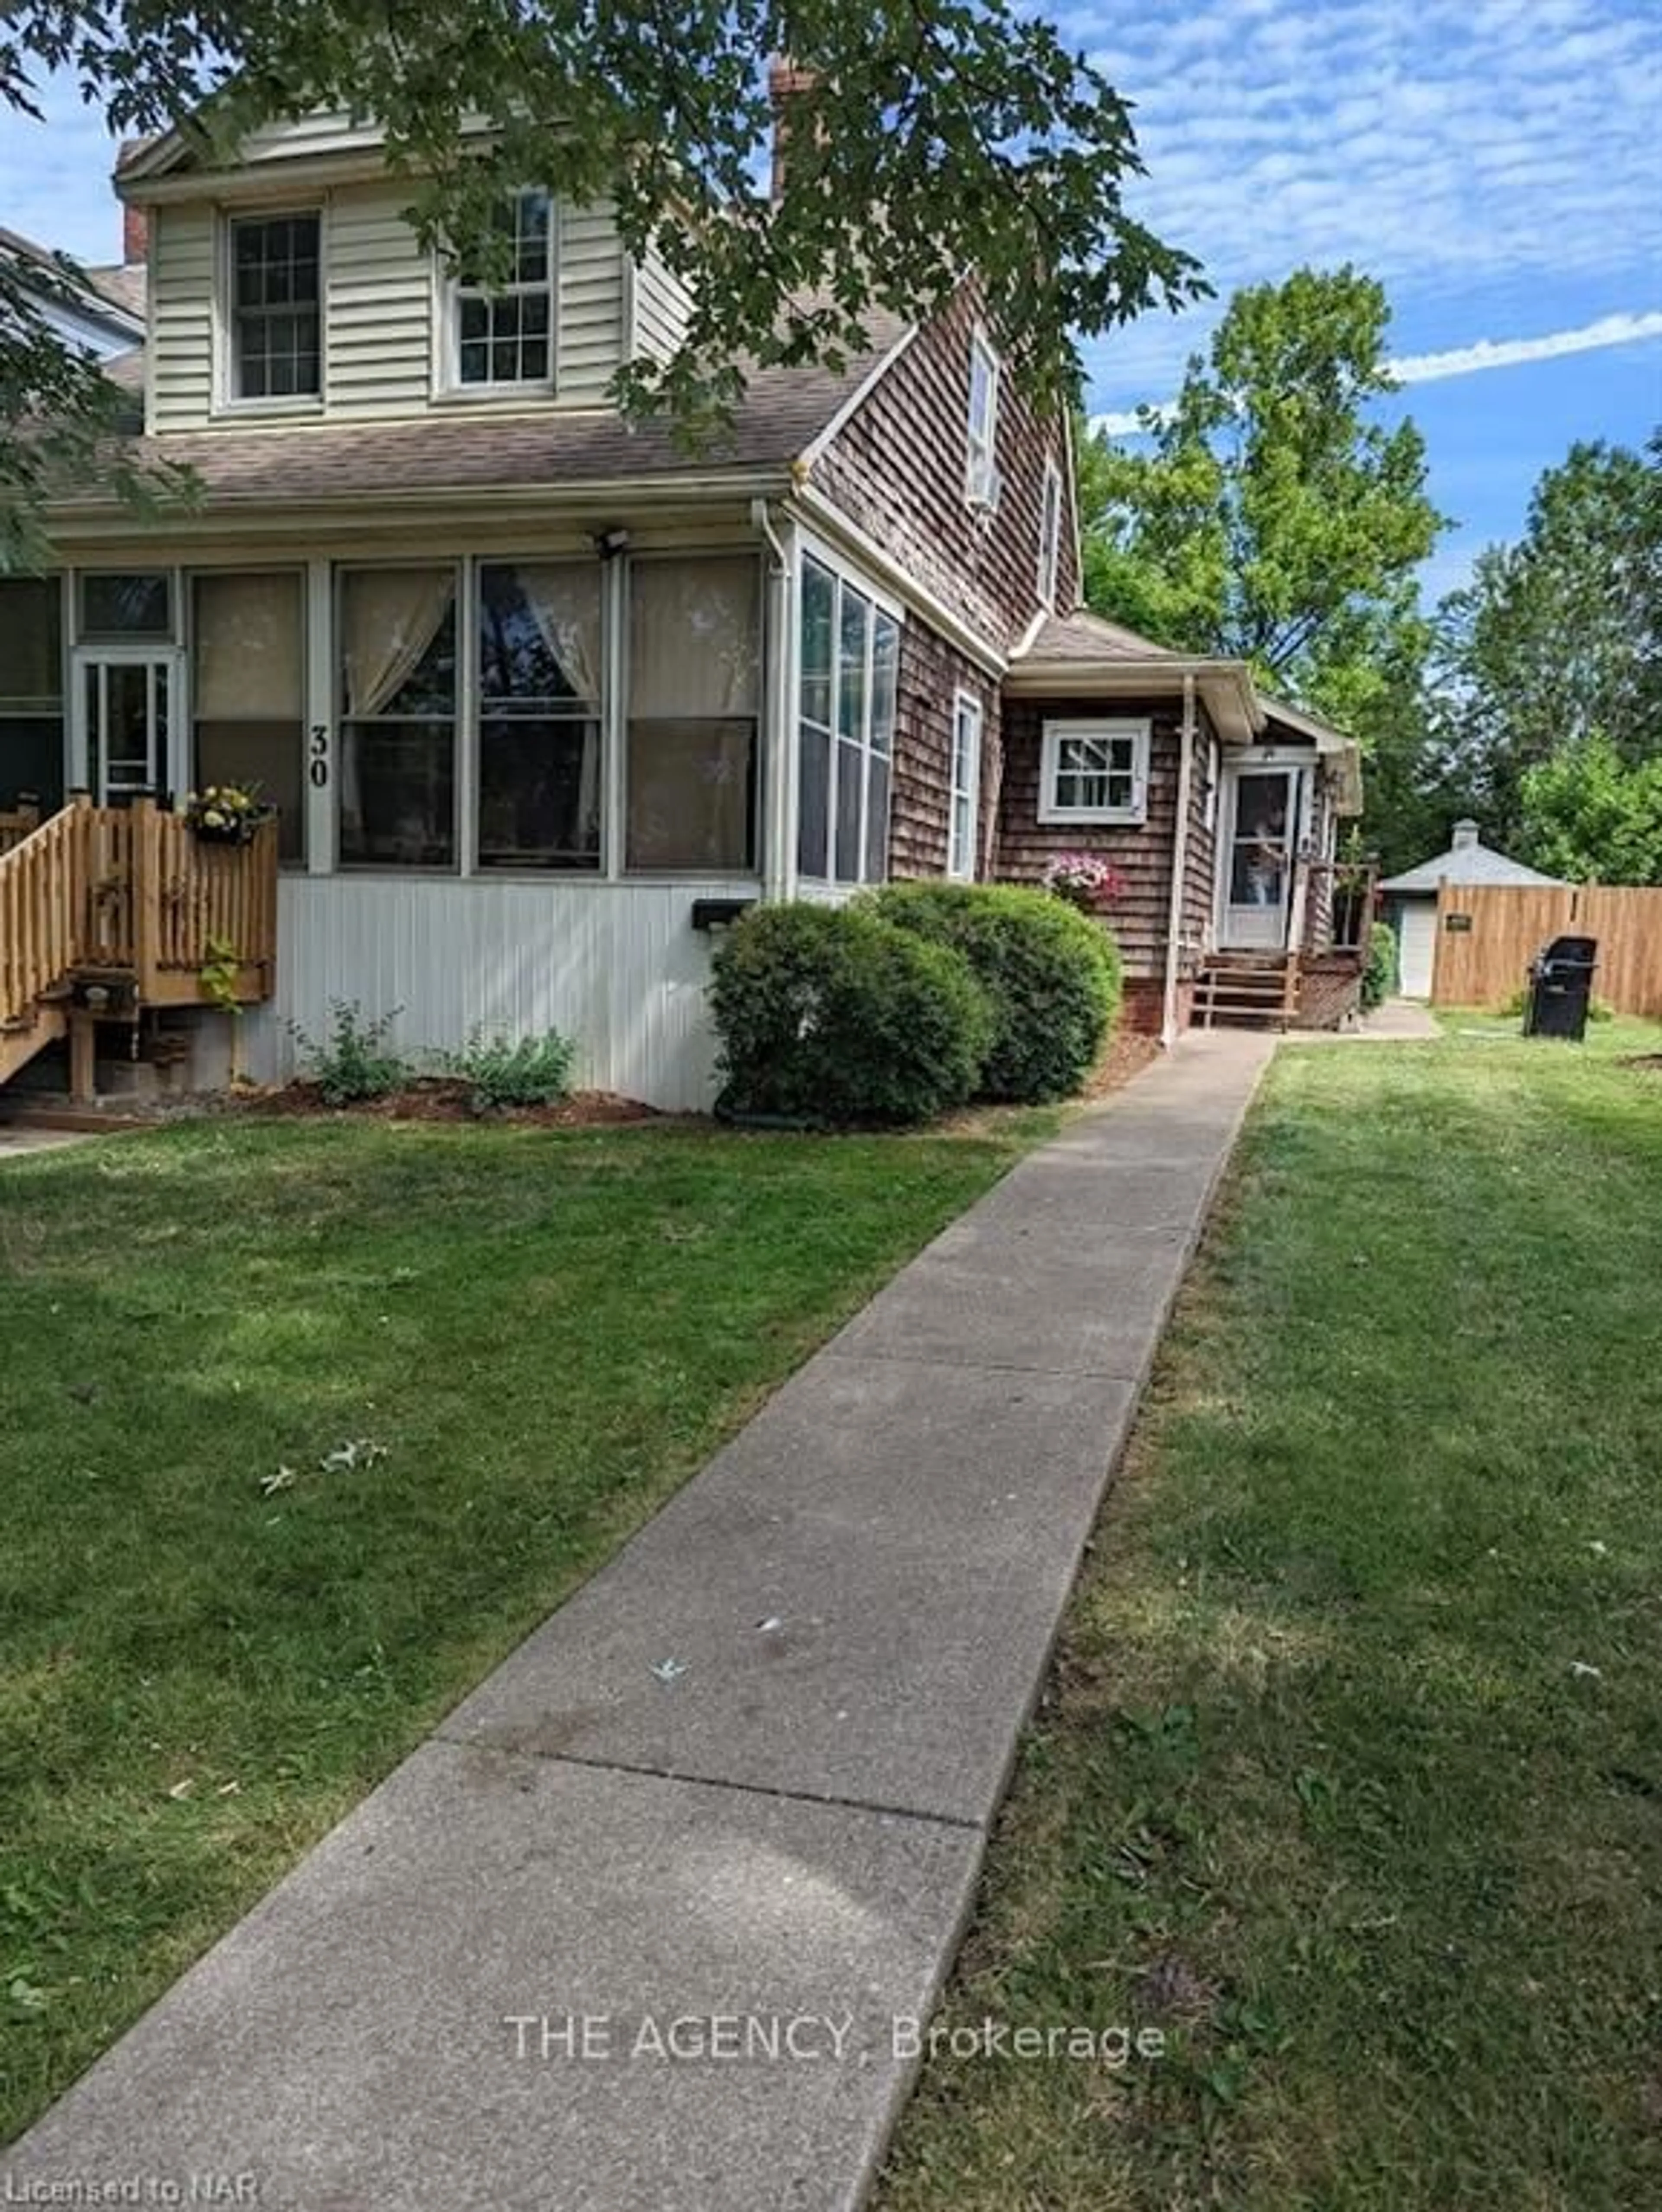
<point x="1137" y="733"/>
<point x="845" y="577"/>
<point x="1050" y="535"/>
<point x="455" y="292"/>
<point x="964" y="791"/>
<point x="227" y="399"/>
<point x="981" y="436"/>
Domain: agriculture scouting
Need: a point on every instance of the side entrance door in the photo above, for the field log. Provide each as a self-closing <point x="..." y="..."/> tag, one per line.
<point x="128" y="723"/>
<point x="1257" y="860"/>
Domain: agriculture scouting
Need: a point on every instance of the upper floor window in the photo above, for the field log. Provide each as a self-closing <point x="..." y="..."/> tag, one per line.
<point x="981" y="472"/>
<point x="275" y="320"/>
<point x="1049" y="534"/>
<point x="1095" y="772"/>
<point x="504" y="331"/>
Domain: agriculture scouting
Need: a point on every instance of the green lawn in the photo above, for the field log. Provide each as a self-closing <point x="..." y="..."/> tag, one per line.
<point x="1349" y="1780"/>
<point x="546" y="1332"/>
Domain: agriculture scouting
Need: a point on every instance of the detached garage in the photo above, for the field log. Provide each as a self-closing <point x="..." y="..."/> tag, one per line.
<point x="1411" y="899"/>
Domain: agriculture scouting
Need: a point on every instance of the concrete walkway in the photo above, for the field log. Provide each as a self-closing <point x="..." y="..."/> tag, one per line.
<point x="645" y="1926"/>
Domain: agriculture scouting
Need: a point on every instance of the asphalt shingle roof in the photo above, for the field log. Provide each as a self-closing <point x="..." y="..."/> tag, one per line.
<point x="1084" y="636"/>
<point x="1466" y="864"/>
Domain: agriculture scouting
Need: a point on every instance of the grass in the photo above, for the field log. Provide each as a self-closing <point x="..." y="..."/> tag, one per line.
<point x="1350" y="1778"/>
<point x="546" y="1332"/>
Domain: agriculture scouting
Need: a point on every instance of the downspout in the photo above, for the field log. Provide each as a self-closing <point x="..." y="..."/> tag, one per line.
<point x="778" y="858"/>
<point x="1169" y="1026"/>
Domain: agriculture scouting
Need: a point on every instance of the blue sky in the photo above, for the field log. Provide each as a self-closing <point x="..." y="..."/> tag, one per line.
<point x="1496" y="163"/>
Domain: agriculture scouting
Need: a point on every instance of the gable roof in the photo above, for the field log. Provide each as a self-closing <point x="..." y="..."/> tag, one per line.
<point x="1472" y="863"/>
<point x="1085" y="636"/>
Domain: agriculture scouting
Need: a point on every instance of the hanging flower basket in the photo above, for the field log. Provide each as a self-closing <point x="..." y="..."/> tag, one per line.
<point x="1084" y="881"/>
<point x="225" y="814"/>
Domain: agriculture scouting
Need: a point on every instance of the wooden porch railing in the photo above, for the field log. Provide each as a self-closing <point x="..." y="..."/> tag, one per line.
<point x="135" y="893"/>
<point x="17" y="823"/>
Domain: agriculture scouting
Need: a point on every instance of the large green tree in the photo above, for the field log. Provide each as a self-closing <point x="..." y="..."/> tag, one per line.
<point x="1270" y="515"/>
<point x="924" y="140"/>
<point x="1591" y="816"/>
<point x="1555" y="648"/>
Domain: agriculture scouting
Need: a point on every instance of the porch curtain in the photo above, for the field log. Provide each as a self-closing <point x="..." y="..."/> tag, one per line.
<point x="389" y="617"/>
<point x="564" y="603"/>
<point x="695" y="638"/>
<point x="248" y="661"/>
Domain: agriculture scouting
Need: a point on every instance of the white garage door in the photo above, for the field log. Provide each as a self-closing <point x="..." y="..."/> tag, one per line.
<point x="1419" y="946"/>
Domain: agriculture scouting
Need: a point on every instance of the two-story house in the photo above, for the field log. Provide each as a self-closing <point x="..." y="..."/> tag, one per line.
<point x="539" y="699"/>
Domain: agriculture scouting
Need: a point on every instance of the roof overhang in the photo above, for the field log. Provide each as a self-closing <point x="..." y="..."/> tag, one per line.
<point x="1341" y="755"/>
<point x="1224" y="687"/>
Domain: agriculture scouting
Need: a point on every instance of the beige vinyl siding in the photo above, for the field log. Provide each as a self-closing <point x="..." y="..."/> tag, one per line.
<point x="326" y="131"/>
<point x="379" y="316"/>
<point x="181" y="282"/>
<point x="589" y="334"/>
<point x="661" y="309"/>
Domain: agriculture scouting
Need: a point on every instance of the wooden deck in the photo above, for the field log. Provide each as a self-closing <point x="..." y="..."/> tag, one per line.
<point x="107" y="913"/>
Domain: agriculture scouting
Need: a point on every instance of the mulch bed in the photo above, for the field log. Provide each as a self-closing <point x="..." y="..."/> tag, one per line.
<point x="1650" y="1061"/>
<point x="450" y="1099"/>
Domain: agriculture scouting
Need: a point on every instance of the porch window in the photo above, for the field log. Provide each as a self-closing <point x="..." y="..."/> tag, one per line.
<point x="965" y="786"/>
<point x="276" y="317"/>
<point x="1095" y="772"/>
<point x="539" y="715"/>
<point x="247" y="694"/>
<point x="398" y="753"/>
<point x="504" y="332"/>
<point x="31" y="693"/>
<point x="1050" y="535"/>
<point x="694" y="687"/>
<point x="137" y="605"/>
<point x="980" y="470"/>
<point x="849" y="662"/>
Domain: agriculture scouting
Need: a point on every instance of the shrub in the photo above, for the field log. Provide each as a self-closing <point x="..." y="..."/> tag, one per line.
<point x="831" y="1014"/>
<point x="1380" y="975"/>
<point x="532" y="1071"/>
<point x="355" y="1061"/>
<point x="1052" y="974"/>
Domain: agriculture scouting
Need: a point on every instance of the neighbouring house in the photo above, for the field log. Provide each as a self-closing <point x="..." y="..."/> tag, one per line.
<point x="101" y="310"/>
<point x="1410" y="900"/>
<point x="542" y="703"/>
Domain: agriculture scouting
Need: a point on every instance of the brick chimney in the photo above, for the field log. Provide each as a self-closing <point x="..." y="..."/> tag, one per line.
<point x="1466" y="834"/>
<point x="787" y="82"/>
<point x="135" y="237"/>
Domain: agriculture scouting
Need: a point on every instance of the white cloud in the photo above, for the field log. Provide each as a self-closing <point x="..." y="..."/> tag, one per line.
<point x="1458" y="361"/>
<point x="1506" y="353"/>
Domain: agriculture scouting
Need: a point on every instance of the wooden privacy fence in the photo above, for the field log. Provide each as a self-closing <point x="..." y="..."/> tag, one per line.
<point x="1498" y="929"/>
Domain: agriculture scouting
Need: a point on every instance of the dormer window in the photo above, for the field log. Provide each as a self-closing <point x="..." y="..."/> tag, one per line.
<point x="275" y="318"/>
<point x="981" y="473"/>
<point x="503" y="334"/>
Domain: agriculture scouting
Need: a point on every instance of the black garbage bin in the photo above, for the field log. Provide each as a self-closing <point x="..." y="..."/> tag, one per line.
<point x="1560" y="988"/>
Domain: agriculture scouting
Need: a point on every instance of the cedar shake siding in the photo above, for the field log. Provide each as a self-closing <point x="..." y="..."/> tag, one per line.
<point x="1143" y="854"/>
<point x="896" y="469"/>
<point x="932" y="673"/>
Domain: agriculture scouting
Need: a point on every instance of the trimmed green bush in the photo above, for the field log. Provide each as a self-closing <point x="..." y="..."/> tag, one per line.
<point x="1051" y="973"/>
<point x="831" y="1014"/>
<point x="1380" y="975"/>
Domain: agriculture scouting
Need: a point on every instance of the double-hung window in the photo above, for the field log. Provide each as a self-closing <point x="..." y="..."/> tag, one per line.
<point x="504" y="318"/>
<point x="965" y="792"/>
<point x="1095" y="772"/>
<point x="849" y="666"/>
<point x="980" y="466"/>
<point x="275" y="320"/>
